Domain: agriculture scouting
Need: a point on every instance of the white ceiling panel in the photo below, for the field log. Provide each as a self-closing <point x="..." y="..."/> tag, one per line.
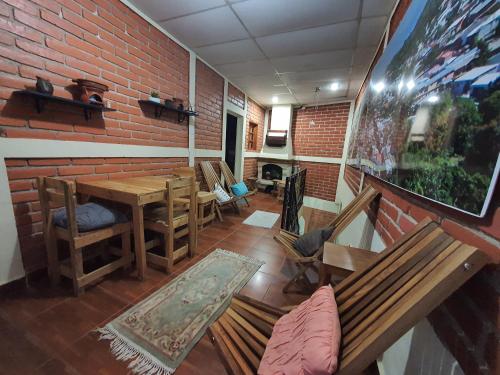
<point x="316" y="76"/>
<point x="314" y="61"/>
<point x="265" y="17"/>
<point x="213" y="26"/>
<point x="161" y="10"/>
<point x="324" y="97"/>
<point x="247" y="68"/>
<point x="372" y="8"/>
<point x="364" y="56"/>
<point x="370" y="31"/>
<point x="318" y="39"/>
<point x="309" y="43"/>
<point x="231" y="52"/>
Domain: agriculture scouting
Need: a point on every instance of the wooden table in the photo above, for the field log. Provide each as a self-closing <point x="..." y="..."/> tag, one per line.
<point x="136" y="192"/>
<point x="342" y="260"/>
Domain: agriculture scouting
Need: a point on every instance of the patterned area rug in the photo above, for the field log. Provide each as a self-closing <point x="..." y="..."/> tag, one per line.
<point x="158" y="333"/>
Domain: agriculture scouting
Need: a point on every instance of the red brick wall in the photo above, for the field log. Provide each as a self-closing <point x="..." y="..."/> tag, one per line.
<point x="321" y="179"/>
<point x="235" y="96"/>
<point x="256" y="114"/>
<point x="99" y="40"/>
<point x="326" y="136"/>
<point x="22" y="175"/>
<point x="250" y="168"/>
<point x="209" y="104"/>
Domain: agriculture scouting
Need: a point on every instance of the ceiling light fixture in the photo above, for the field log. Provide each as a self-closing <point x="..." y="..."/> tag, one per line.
<point x="275" y="99"/>
<point x="410" y="84"/>
<point x="334" y="86"/>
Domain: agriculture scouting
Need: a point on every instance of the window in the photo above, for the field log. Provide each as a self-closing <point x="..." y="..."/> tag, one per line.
<point x="253" y="130"/>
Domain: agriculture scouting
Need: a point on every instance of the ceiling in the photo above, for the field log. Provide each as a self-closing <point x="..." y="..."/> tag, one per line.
<point x="280" y="48"/>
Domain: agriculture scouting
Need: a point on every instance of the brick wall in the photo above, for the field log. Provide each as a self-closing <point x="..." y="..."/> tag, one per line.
<point x="321" y="179"/>
<point x="98" y="40"/>
<point x="256" y="115"/>
<point x="235" y="96"/>
<point x="320" y="131"/>
<point x="22" y="175"/>
<point x="250" y="168"/>
<point x="209" y="98"/>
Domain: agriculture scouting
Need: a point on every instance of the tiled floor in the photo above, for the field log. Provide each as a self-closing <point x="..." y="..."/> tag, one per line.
<point x="47" y="331"/>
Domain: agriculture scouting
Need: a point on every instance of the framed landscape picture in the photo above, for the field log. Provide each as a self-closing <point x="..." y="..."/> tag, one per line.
<point x="429" y="121"/>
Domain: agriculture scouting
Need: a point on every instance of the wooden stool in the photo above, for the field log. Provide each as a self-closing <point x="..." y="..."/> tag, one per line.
<point x="205" y="199"/>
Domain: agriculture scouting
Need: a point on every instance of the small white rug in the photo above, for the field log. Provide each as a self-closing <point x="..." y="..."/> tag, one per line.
<point x="262" y="219"/>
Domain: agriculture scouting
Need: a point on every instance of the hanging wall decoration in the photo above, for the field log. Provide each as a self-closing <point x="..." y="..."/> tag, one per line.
<point x="429" y="121"/>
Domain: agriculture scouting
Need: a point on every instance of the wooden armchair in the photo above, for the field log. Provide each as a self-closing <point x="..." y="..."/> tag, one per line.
<point x="340" y="222"/>
<point x="173" y="221"/>
<point x="376" y="305"/>
<point x="230" y="180"/>
<point x="212" y="180"/>
<point x="60" y="193"/>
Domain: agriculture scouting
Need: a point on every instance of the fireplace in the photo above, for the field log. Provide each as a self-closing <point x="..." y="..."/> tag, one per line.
<point x="273" y="169"/>
<point x="272" y="172"/>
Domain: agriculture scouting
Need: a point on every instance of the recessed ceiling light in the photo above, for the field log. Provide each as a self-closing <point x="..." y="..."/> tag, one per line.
<point x="275" y="99"/>
<point x="334" y="86"/>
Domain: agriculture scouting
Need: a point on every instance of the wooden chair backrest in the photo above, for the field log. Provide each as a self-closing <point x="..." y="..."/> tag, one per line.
<point x="352" y="210"/>
<point x="210" y="176"/>
<point x="378" y="304"/>
<point x="184" y="171"/>
<point x="226" y="172"/>
<point x="54" y="192"/>
<point x="181" y="187"/>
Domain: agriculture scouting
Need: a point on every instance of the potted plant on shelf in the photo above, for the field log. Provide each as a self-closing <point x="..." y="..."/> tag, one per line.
<point x="154" y="97"/>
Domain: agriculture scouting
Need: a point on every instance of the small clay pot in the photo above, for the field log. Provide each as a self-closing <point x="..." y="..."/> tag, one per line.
<point x="170" y="103"/>
<point x="44" y="86"/>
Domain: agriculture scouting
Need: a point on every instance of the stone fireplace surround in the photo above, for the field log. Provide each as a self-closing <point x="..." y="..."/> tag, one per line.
<point x="287" y="168"/>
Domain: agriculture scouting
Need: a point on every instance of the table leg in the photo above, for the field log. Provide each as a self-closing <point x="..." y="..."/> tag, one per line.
<point x="140" y="246"/>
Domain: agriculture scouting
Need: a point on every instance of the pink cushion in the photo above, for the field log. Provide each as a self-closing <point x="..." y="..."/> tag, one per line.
<point x="306" y="340"/>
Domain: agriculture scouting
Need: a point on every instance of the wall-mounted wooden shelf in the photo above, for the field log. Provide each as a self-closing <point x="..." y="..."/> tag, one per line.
<point x="41" y="99"/>
<point x="182" y="114"/>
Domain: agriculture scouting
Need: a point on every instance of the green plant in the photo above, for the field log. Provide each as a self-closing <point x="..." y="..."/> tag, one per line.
<point x="467" y="121"/>
<point x="444" y="179"/>
<point x="155" y="94"/>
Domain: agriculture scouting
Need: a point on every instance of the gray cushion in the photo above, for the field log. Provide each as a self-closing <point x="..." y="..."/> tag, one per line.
<point x="310" y="242"/>
<point x="90" y="216"/>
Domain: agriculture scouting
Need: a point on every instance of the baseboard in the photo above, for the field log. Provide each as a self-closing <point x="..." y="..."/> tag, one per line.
<point x="322" y="204"/>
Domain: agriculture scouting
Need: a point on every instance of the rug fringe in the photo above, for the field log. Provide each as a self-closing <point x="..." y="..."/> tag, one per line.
<point x="241" y="256"/>
<point x="142" y="363"/>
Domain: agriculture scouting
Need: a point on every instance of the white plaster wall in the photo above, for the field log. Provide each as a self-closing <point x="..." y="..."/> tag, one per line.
<point x="418" y="352"/>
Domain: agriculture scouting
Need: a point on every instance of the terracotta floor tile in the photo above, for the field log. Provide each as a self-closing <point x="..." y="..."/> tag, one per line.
<point x="47" y="331"/>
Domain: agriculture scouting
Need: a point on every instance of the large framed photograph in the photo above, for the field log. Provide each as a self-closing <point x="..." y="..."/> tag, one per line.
<point x="429" y="121"/>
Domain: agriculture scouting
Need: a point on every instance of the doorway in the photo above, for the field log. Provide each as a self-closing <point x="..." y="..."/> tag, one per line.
<point x="231" y="136"/>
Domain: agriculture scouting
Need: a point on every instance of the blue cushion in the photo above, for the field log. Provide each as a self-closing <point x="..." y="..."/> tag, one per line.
<point x="90" y="216"/>
<point x="239" y="189"/>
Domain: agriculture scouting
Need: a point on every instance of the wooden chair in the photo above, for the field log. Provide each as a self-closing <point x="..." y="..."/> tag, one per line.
<point x="212" y="180"/>
<point x="60" y="193"/>
<point x="173" y="221"/>
<point x="230" y="180"/>
<point x="340" y="222"/>
<point x="376" y="305"/>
